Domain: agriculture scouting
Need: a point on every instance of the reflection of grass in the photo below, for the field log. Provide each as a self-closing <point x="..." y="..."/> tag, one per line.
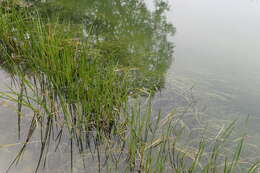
<point x="76" y="89"/>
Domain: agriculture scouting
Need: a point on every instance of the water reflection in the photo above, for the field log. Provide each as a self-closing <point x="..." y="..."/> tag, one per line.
<point x="216" y="50"/>
<point x="137" y="37"/>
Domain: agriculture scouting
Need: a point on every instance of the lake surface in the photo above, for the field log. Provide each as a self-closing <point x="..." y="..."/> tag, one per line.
<point x="217" y="51"/>
<point x="217" y="58"/>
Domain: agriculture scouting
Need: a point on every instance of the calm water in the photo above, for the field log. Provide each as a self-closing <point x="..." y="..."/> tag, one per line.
<point x="217" y="59"/>
<point x="216" y="55"/>
<point x="217" y="46"/>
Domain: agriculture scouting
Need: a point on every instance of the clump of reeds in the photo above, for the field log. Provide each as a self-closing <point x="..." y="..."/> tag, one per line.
<point x="61" y="78"/>
<point x="78" y="88"/>
<point x="61" y="68"/>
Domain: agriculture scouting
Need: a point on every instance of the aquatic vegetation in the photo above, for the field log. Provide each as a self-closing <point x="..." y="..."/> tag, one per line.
<point x="80" y="83"/>
<point x="77" y="79"/>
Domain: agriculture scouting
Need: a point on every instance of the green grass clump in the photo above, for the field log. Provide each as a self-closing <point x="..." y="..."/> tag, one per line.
<point x="62" y="78"/>
<point x="62" y="68"/>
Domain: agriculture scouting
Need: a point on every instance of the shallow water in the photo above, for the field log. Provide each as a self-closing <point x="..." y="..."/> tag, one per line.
<point x="217" y="56"/>
<point x="216" y="59"/>
<point x="10" y="145"/>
